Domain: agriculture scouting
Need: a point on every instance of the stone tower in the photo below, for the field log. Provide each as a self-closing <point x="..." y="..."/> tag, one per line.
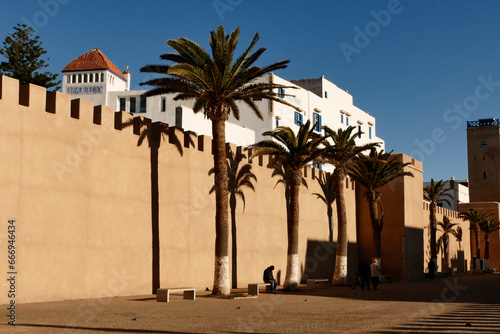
<point x="483" y="156"/>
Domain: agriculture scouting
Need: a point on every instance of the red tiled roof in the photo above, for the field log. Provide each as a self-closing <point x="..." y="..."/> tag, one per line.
<point x="93" y="60"/>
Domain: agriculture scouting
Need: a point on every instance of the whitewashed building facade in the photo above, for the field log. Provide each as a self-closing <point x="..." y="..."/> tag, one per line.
<point x="93" y="77"/>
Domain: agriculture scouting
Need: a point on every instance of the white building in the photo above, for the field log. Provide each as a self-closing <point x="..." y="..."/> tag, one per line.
<point x="458" y="191"/>
<point x="93" y="77"/>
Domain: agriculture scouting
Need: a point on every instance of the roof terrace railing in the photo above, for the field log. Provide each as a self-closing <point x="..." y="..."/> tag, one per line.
<point x="483" y="122"/>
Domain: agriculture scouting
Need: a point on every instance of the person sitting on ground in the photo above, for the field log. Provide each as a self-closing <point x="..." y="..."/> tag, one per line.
<point x="375" y="271"/>
<point x="269" y="278"/>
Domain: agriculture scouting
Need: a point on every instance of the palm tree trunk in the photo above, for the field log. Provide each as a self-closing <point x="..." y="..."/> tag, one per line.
<point x="234" y="249"/>
<point x="447" y="253"/>
<point x="340" y="274"/>
<point x="487" y="247"/>
<point x="292" y="266"/>
<point x="477" y="231"/>
<point x="330" y="223"/>
<point x="221" y="273"/>
<point x="433" y="228"/>
<point x="377" y="243"/>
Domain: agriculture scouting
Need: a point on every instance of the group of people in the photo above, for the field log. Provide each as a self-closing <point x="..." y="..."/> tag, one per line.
<point x="369" y="273"/>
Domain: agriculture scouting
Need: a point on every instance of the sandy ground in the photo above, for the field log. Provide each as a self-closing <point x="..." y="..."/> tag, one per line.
<point x="463" y="304"/>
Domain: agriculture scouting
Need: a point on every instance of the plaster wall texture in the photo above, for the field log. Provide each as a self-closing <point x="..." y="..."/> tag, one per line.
<point x="79" y="187"/>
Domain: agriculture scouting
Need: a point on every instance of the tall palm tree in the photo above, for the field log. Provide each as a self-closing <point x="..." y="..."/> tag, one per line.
<point x="434" y="193"/>
<point x="373" y="172"/>
<point x="488" y="226"/>
<point x="341" y="153"/>
<point x="327" y="183"/>
<point x="443" y="243"/>
<point x="294" y="152"/>
<point x="216" y="82"/>
<point x="279" y="171"/>
<point x="239" y="178"/>
<point x="474" y="218"/>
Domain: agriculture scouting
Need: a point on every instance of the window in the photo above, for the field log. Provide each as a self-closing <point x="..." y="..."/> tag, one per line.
<point x="74" y="79"/>
<point x="102" y="77"/>
<point x="281" y="92"/>
<point x="370" y="132"/>
<point x="68" y="79"/>
<point x="326" y="94"/>
<point x="163" y="105"/>
<point x="298" y="118"/>
<point x="318" y="166"/>
<point x="122" y="104"/>
<point x="91" y="77"/>
<point x="178" y="117"/>
<point x="132" y="104"/>
<point x="317" y="122"/>
<point x="85" y="78"/>
<point x="347" y="121"/>
<point x="342" y="118"/>
<point x="359" y="131"/>
<point x="96" y="75"/>
<point x="79" y="78"/>
<point x="277" y="122"/>
<point x="143" y="104"/>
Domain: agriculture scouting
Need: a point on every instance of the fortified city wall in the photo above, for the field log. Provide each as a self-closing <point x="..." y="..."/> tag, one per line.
<point x="78" y="185"/>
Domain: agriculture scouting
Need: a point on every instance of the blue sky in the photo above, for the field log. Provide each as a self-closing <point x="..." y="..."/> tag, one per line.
<point x="422" y="68"/>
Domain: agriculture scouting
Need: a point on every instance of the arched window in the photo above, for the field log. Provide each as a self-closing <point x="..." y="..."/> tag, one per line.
<point x="74" y="79"/>
<point x="102" y="77"/>
<point x="91" y="77"/>
<point x="85" y="78"/>
<point x="68" y="79"/>
<point x="79" y="78"/>
<point x="96" y="77"/>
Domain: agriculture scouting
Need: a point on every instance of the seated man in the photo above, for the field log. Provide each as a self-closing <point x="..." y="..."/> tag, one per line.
<point x="269" y="278"/>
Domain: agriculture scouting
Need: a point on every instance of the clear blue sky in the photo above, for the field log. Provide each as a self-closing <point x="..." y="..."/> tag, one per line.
<point x="422" y="68"/>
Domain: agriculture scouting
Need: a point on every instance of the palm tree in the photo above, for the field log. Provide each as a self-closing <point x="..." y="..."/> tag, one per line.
<point x="327" y="183"/>
<point x="488" y="226"/>
<point x="434" y="193"/>
<point x="294" y="152"/>
<point x="279" y="171"/>
<point x="474" y="218"/>
<point x="239" y="178"/>
<point x="373" y="172"/>
<point x="443" y="243"/>
<point x="216" y="82"/>
<point x="341" y="153"/>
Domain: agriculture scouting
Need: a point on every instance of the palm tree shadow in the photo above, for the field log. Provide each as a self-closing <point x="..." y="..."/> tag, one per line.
<point x="154" y="133"/>
<point x="327" y="184"/>
<point x="239" y="177"/>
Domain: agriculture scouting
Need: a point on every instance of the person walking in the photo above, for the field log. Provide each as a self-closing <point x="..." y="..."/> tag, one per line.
<point x="432" y="268"/>
<point x="375" y="272"/>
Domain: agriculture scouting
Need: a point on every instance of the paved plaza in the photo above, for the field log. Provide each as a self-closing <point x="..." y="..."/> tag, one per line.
<point x="459" y="304"/>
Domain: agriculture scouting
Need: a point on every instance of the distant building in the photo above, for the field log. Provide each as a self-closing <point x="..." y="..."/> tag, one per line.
<point x="483" y="157"/>
<point x="93" y="77"/>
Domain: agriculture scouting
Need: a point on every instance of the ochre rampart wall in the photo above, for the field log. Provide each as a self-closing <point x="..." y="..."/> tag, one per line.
<point x="78" y="185"/>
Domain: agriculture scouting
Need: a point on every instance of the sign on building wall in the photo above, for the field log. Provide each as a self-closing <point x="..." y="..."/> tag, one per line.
<point x="84" y="90"/>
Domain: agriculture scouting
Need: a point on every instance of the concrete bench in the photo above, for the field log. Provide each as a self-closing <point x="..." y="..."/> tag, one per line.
<point x="314" y="283"/>
<point x="163" y="295"/>
<point x="253" y="288"/>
